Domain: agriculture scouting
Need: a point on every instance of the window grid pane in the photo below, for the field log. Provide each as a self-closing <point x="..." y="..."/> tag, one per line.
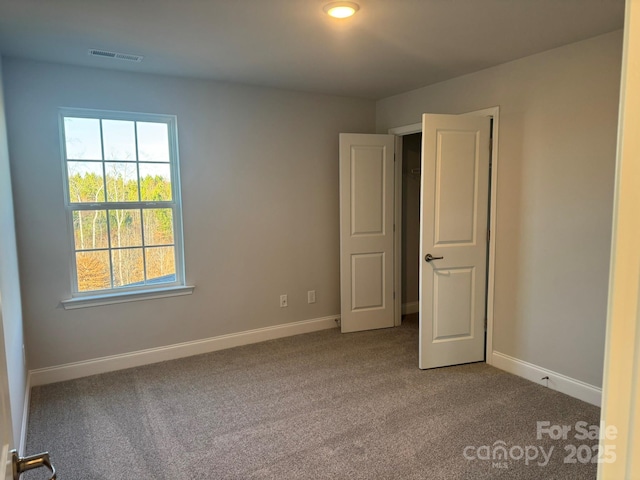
<point x="123" y="247"/>
<point x="136" y="259"/>
<point x="93" y="270"/>
<point x="128" y="267"/>
<point x="153" y="142"/>
<point x="158" y="226"/>
<point x="161" y="264"/>
<point x="118" y="138"/>
<point x="82" y="138"/>
<point x="90" y="229"/>
<point x="126" y="229"/>
<point x="85" y="181"/>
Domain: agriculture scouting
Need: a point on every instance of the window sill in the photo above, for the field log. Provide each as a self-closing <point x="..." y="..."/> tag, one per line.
<point x="110" y="299"/>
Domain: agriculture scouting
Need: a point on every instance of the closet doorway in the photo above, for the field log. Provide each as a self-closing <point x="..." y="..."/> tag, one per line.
<point x="410" y="233"/>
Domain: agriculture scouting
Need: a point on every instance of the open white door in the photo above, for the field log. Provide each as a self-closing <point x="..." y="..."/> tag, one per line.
<point x="5" y="413"/>
<point x="454" y="203"/>
<point x="11" y="464"/>
<point x="366" y="231"/>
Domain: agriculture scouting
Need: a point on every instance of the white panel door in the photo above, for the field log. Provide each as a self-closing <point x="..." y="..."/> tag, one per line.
<point x="454" y="206"/>
<point x="366" y="231"/>
<point x="6" y="433"/>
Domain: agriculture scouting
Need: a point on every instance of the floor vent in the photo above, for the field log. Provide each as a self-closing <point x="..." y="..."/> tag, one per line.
<point x="115" y="55"/>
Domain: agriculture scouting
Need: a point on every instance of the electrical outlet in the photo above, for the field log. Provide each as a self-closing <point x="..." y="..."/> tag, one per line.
<point x="283" y="301"/>
<point x="311" y="296"/>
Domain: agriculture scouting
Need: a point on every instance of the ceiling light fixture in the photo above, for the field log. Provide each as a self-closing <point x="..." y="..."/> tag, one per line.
<point x="341" y="9"/>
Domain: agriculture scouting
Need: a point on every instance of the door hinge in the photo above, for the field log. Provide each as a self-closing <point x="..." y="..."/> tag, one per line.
<point x="394" y="227"/>
<point x="485" y="324"/>
<point x="394" y="295"/>
<point x="488" y="235"/>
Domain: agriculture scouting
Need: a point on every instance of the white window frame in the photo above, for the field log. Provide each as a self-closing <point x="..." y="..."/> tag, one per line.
<point x="140" y="292"/>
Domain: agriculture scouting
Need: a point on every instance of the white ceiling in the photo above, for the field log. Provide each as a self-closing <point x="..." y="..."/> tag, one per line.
<point x="388" y="47"/>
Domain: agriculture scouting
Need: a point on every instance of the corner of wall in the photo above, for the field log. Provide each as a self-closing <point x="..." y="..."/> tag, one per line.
<point x="10" y="285"/>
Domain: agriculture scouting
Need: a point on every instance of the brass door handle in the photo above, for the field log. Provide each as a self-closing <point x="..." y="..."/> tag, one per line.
<point x="428" y="257"/>
<point x="22" y="464"/>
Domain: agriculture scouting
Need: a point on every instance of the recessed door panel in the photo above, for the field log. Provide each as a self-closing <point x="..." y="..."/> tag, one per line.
<point x="367" y="190"/>
<point x="456" y="166"/>
<point x="453" y="295"/>
<point x="368" y="279"/>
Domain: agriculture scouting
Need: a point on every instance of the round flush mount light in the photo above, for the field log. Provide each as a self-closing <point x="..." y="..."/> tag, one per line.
<point x="341" y="9"/>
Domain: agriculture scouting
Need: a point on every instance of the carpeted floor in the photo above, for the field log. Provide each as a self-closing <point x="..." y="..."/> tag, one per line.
<point x="316" y="406"/>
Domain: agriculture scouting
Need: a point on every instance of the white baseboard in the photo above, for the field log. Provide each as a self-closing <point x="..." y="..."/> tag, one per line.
<point x="412" y="307"/>
<point x="570" y="386"/>
<point x="69" y="371"/>
<point x="25" y="417"/>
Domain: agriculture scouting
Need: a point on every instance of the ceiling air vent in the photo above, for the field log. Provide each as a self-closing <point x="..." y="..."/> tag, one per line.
<point x="115" y="55"/>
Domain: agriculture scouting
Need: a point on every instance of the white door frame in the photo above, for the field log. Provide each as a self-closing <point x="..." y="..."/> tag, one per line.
<point x="493" y="112"/>
<point x="621" y="387"/>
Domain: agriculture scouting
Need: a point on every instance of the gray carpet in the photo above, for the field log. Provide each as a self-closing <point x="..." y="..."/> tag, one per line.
<point x="316" y="406"/>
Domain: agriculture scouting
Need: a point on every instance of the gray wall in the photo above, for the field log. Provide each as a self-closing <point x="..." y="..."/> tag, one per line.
<point x="10" y="285"/>
<point x="260" y="201"/>
<point x="259" y="174"/>
<point x="557" y="145"/>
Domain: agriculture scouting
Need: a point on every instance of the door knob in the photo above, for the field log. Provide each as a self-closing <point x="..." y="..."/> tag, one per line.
<point x="428" y="257"/>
